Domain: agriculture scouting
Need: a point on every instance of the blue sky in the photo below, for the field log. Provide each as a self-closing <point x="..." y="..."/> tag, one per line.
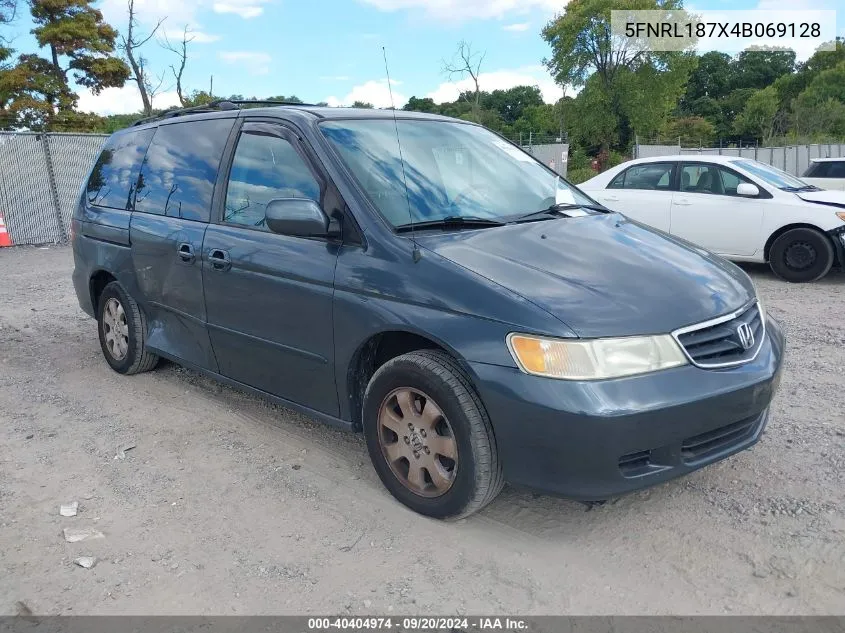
<point x="331" y="50"/>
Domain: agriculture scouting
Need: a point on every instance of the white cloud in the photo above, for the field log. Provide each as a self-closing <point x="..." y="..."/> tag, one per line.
<point x="245" y="8"/>
<point x="124" y="100"/>
<point x="455" y="10"/>
<point x="375" y="92"/>
<point x="255" y="63"/>
<point x="501" y="80"/>
<point x="519" y="27"/>
<point x="149" y="12"/>
<point x="195" y="36"/>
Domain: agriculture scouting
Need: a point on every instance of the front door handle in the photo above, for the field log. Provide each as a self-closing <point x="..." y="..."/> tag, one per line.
<point x="611" y="198"/>
<point x="683" y="202"/>
<point x="219" y="259"/>
<point x="186" y="252"/>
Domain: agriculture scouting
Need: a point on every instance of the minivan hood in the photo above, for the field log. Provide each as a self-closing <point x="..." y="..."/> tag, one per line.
<point x="833" y="198"/>
<point x="601" y="275"/>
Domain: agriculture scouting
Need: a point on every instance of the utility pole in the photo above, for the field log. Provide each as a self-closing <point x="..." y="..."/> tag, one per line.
<point x="211" y="87"/>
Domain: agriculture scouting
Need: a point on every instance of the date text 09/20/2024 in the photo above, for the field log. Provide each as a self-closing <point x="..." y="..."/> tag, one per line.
<point x="418" y="624"/>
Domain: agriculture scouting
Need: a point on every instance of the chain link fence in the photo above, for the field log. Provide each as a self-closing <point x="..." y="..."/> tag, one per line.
<point x="793" y="159"/>
<point x="40" y="177"/>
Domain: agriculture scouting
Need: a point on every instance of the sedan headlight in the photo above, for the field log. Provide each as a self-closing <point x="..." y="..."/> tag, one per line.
<point x="594" y="359"/>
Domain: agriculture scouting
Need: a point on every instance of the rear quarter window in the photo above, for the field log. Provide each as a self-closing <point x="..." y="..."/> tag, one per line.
<point x="115" y="174"/>
<point x="179" y="171"/>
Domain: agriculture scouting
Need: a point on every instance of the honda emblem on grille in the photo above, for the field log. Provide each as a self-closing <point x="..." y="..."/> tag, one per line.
<point x="746" y="336"/>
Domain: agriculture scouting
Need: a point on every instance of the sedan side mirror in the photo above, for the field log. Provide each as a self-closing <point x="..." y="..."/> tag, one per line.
<point x="299" y="217"/>
<point x="747" y="190"/>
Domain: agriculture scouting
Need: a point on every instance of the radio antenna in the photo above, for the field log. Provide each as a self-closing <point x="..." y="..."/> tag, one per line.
<point x="416" y="252"/>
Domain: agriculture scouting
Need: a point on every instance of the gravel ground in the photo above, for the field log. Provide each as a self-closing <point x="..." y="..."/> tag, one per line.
<point x="231" y="505"/>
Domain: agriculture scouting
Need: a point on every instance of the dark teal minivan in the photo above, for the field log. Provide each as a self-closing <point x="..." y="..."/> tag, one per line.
<point x="424" y="281"/>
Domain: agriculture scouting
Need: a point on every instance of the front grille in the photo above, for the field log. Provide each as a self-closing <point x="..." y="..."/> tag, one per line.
<point x="719" y="343"/>
<point x="707" y="444"/>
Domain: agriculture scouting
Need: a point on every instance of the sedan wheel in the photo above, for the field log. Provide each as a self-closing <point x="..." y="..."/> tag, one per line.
<point x="801" y="254"/>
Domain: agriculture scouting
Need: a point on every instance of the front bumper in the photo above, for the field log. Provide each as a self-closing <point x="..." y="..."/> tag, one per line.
<point x="837" y="236"/>
<point x="595" y="440"/>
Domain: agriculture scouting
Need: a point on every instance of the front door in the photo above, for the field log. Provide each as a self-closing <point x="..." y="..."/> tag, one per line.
<point x="269" y="297"/>
<point x="707" y="211"/>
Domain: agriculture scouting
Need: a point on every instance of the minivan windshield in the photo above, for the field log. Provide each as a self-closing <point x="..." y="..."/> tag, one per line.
<point x="454" y="171"/>
<point x="773" y="176"/>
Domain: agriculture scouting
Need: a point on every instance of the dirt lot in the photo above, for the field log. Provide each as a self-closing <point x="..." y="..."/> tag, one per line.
<point x="231" y="505"/>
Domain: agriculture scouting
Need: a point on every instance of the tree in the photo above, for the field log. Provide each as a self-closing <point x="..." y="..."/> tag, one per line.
<point x="290" y="99"/>
<point x="758" y="68"/>
<point x="466" y="63"/>
<point x="131" y="45"/>
<point x="510" y="104"/>
<point x="711" y="78"/>
<point x="75" y="31"/>
<point x="181" y="51"/>
<point x="362" y="104"/>
<point x="636" y="87"/>
<point x="421" y="105"/>
<point x="820" y="109"/>
<point x="690" y="130"/>
<point x="759" y="115"/>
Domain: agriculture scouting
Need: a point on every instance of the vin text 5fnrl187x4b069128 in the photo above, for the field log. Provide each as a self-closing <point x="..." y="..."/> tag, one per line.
<point x="423" y="280"/>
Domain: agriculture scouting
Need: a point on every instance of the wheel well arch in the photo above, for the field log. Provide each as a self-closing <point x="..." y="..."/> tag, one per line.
<point x="99" y="280"/>
<point x="798" y="225"/>
<point x="375" y="352"/>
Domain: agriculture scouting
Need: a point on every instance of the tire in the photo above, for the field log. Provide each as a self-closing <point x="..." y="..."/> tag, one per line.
<point x="123" y="345"/>
<point x="801" y="255"/>
<point x="464" y="484"/>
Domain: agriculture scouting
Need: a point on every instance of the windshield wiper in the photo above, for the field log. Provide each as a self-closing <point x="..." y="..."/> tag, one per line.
<point x="556" y="211"/>
<point x="450" y="222"/>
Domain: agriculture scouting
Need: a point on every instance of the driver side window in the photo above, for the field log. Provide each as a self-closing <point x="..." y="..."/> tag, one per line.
<point x="265" y="168"/>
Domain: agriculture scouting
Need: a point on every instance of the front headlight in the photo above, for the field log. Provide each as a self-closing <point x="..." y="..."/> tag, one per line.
<point x="594" y="359"/>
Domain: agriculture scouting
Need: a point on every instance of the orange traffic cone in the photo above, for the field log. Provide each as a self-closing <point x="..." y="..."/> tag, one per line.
<point x="5" y="240"/>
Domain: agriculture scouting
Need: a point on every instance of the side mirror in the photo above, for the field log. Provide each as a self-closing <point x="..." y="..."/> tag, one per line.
<point x="747" y="190"/>
<point x="299" y="217"/>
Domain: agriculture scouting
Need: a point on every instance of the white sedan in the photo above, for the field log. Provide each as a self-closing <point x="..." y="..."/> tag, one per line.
<point x="739" y="208"/>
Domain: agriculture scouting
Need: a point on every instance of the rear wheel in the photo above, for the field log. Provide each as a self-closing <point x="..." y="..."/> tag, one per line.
<point x="801" y="255"/>
<point x="122" y="331"/>
<point x="429" y="437"/>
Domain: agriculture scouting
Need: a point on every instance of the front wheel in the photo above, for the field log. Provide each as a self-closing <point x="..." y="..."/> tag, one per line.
<point x="429" y="436"/>
<point x="801" y="255"/>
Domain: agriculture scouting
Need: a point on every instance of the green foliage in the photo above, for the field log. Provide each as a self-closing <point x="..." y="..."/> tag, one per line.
<point x="34" y="90"/>
<point x="625" y="90"/>
<point x="577" y="176"/>
<point x="759" y="115"/>
<point x="75" y="30"/>
<point x="692" y="130"/>
<point x="758" y="68"/>
<point x="362" y="104"/>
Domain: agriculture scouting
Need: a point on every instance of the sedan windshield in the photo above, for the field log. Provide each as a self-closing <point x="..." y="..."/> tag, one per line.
<point x="773" y="175"/>
<point x="455" y="172"/>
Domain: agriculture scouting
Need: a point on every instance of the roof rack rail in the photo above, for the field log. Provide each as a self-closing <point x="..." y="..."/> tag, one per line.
<point x="220" y="105"/>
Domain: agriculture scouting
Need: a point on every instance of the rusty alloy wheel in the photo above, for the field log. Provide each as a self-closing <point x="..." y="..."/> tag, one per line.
<point x="417" y="442"/>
